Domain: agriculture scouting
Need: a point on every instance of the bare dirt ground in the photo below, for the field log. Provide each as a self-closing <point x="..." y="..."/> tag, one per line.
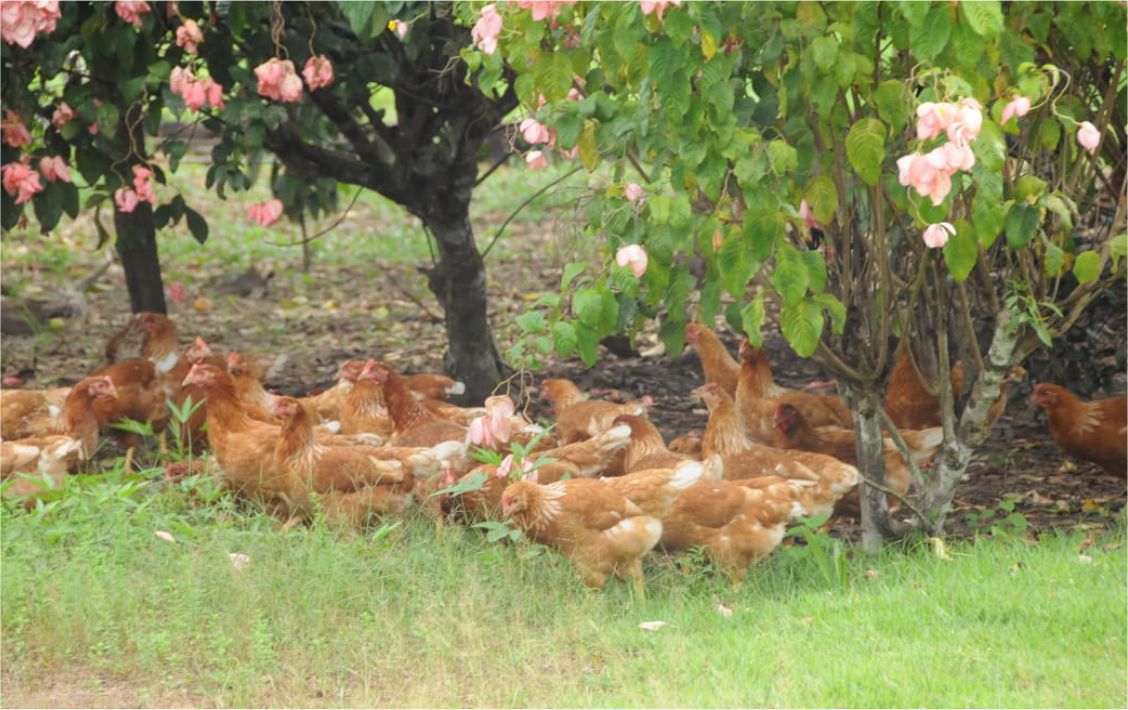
<point x="384" y="310"/>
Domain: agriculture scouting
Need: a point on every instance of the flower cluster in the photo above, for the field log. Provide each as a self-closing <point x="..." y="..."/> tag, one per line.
<point x="265" y="213"/>
<point x="20" y="181"/>
<point x="545" y="9"/>
<point x="277" y="80"/>
<point x="63" y="115"/>
<point x="188" y="36"/>
<point x="127" y="198"/>
<point x="196" y="91"/>
<point x="131" y="10"/>
<point x="54" y="168"/>
<point x="931" y="174"/>
<point x="13" y="132"/>
<point x="494" y="428"/>
<point x="318" y="72"/>
<point x="487" y="29"/>
<point x="21" y="20"/>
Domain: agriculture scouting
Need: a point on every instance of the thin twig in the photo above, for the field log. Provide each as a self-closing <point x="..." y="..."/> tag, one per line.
<point x="411" y="297"/>
<point x="323" y="232"/>
<point x="525" y="203"/>
<point x="902" y="447"/>
<point x="493" y="167"/>
<point x="903" y="499"/>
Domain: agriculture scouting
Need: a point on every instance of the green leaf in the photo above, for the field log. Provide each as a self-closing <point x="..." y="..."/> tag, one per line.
<point x="554" y="75"/>
<point x="988" y="215"/>
<point x="564" y="338"/>
<point x="568" y="127"/>
<point x="571" y="271"/>
<point x="892" y="99"/>
<point x="824" y="50"/>
<point x="589" y="152"/>
<point x="609" y="317"/>
<point x="1118" y="249"/>
<point x="1054" y="261"/>
<point x="736" y="263"/>
<point x="358" y="13"/>
<point x="984" y="16"/>
<point x="816" y="270"/>
<point x="865" y="148"/>
<point x="822" y="198"/>
<point x="197" y="225"/>
<point x="930" y="38"/>
<point x="790" y="276"/>
<point x="587" y="343"/>
<point x="801" y="324"/>
<point x="531" y="321"/>
<point x="1021" y="225"/>
<point x="991" y="146"/>
<point x="588" y="305"/>
<point x="672" y="333"/>
<point x="752" y="319"/>
<point x="961" y="252"/>
<point x="784" y="158"/>
<point x="49" y="206"/>
<point x="835" y="309"/>
<point x="1029" y="188"/>
<point x="1087" y="267"/>
<point x="1049" y="134"/>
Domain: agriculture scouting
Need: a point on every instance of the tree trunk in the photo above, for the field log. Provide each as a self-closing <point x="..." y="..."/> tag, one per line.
<point x="136" y="244"/>
<point x="876" y="522"/>
<point x="459" y="283"/>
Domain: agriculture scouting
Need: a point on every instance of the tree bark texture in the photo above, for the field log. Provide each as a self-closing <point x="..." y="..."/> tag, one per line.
<point x="871" y="462"/>
<point x="136" y="244"/>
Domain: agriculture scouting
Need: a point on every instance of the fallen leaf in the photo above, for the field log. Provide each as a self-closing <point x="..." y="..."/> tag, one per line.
<point x="939" y="549"/>
<point x="202" y="304"/>
<point x="1111" y="546"/>
<point x="1085" y="559"/>
<point x="1067" y="466"/>
<point x="166" y="536"/>
<point x="1086" y="543"/>
<point x="652" y="625"/>
<point x="1037" y="498"/>
<point x="871" y="573"/>
<point x="724" y="610"/>
<point x="1090" y="506"/>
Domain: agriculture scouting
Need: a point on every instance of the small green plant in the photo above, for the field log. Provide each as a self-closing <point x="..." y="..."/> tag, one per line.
<point x="999" y="522"/>
<point x="827" y="553"/>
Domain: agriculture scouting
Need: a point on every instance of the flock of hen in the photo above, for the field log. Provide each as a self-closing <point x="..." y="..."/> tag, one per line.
<point x="601" y="485"/>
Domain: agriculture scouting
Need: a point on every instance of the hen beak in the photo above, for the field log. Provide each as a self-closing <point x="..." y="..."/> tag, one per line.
<point x="191" y="377"/>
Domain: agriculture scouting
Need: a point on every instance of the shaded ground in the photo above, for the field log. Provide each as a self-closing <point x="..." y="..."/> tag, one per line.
<point x="348" y="308"/>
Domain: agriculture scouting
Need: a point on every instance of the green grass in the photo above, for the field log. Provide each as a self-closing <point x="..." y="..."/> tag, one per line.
<point x="410" y="616"/>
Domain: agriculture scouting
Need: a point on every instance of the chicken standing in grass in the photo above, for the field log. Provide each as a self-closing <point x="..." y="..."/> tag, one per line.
<point x="589" y="522"/>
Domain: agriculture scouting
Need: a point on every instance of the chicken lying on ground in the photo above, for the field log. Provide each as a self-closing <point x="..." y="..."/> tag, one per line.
<point x="327" y="404"/>
<point x="716" y="361"/>
<point x="76" y="420"/>
<point x="756" y="383"/>
<point x="37" y="464"/>
<point x="25" y="413"/>
<point x="794" y="432"/>
<point x="646" y="448"/>
<point x="737" y="524"/>
<point x="688" y="444"/>
<point x="1094" y="431"/>
<point x="594" y="526"/>
<point x="350" y="483"/>
<point x="742" y="458"/>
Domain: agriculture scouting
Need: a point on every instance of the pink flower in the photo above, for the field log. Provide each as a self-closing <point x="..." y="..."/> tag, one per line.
<point x="932" y="118"/>
<point x="958" y="157"/>
<point x="534" y="131"/>
<point x="487" y="29"/>
<point x="131" y="10"/>
<point x="493" y="430"/>
<point x="574" y="94"/>
<point x="166" y="536"/>
<point x="54" y="168"/>
<point x="21" y="182"/>
<point x="1088" y="136"/>
<point x="177" y="294"/>
<point x="318" y="72"/>
<point x="536" y="160"/>
<point x="93" y="129"/>
<point x="277" y="80"/>
<point x="1019" y="106"/>
<point x="21" y="20"/>
<point x="188" y="36"/>
<point x="927" y="174"/>
<point x="634" y="192"/>
<point x="544" y="9"/>
<point x="197" y="92"/>
<point x="808" y="216"/>
<point x="634" y="257"/>
<point x="63" y="115"/>
<point x="967" y="120"/>
<point x="13" y="131"/>
<point x="142" y="186"/>
<point x="936" y="235"/>
<point x="265" y="213"/>
<point x="400" y="28"/>
<point x="659" y="6"/>
<point x="126" y="199"/>
<point x="573" y="153"/>
<point x="506" y="467"/>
